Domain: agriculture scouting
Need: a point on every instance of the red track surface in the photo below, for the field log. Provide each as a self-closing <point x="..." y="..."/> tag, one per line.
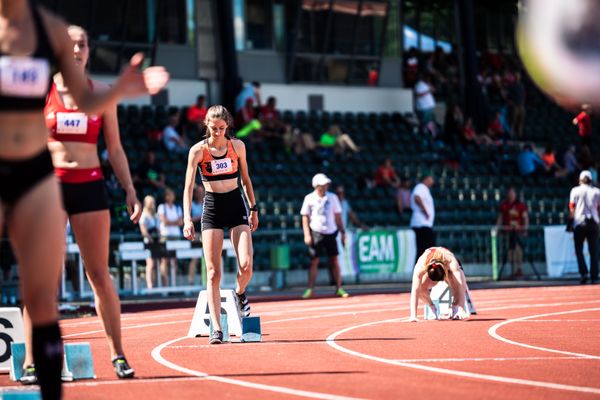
<point x="524" y="343"/>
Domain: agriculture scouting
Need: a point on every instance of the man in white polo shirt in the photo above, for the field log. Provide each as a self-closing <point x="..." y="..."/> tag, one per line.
<point x="584" y="203"/>
<point x="322" y="221"/>
<point x="423" y="214"/>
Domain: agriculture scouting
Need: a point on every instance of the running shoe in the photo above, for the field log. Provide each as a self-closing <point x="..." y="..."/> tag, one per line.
<point x="29" y="376"/>
<point x="307" y="293"/>
<point x="341" y="293"/>
<point x="216" y="337"/>
<point x="122" y="368"/>
<point x="243" y="305"/>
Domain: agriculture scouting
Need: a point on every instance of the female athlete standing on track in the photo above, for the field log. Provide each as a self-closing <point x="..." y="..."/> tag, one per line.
<point x="438" y="264"/>
<point x="221" y="161"/>
<point x="73" y="144"/>
<point x="30" y="199"/>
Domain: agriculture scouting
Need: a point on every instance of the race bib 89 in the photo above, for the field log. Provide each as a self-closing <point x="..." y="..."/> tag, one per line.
<point x="23" y="76"/>
<point x="71" y="123"/>
<point x="222" y="166"/>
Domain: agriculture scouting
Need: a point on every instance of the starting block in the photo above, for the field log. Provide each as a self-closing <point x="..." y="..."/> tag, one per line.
<point x="17" y="359"/>
<point x="251" y="329"/>
<point x="200" y="325"/>
<point x="224" y="328"/>
<point x="78" y="362"/>
<point x="21" y="395"/>
<point x="441" y="296"/>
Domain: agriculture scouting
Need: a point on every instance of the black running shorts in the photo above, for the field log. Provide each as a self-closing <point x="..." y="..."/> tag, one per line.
<point x="84" y="197"/>
<point x="224" y="210"/>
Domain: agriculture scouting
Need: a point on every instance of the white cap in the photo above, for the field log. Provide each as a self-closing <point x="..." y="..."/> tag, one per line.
<point x="320" y="180"/>
<point x="582" y="175"/>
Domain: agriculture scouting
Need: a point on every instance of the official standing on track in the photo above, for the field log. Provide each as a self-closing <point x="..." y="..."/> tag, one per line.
<point x="222" y="161"/>
<point x="30" y="199"/>
<point x="322" y="221"/>
<point x="584" y="204"/>
<point x="423" y="214"/>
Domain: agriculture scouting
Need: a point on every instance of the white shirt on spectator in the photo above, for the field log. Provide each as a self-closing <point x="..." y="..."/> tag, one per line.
<point x="423" y="101"/>
<point x="418" y="218"/>
<point x="171" y="214"/>
<point x="321" y="211"/>
<point x="586" y="199"/>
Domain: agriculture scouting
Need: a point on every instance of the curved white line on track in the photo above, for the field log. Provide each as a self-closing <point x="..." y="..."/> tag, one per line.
<point x="493" y="333"/>
<point x="548" y="385"/>
<point x="258" y="386"/>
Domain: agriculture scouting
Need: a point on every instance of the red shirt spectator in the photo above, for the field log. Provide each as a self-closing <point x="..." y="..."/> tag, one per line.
<point x="386" y="175"/>
<point x="513" y="214"/>
<point x="584" y="123"/>
<point x="197" y="112"/>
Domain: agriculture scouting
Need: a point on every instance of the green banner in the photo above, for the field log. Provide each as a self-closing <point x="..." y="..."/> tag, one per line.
<point x="384" y="251"/>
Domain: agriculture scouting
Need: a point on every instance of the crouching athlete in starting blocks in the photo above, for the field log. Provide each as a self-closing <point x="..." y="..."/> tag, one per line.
<point x="434" y="265"/>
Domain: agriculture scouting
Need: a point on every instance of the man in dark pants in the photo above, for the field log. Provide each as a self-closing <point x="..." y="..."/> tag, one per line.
<point x="584" y="203"/>
<point x="423" y="214"/>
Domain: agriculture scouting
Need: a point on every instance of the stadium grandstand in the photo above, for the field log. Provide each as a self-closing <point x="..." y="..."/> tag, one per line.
<point x="354" y="64"/>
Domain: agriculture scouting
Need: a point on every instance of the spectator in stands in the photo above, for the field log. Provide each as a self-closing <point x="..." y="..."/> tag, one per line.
<point x="423" y="213"/>
<point x="386" y="175"/>
<point x="248" y="124"/>
<point x="584" y="205"/>
<point x="515" y="98"/>
<point x="495" y="130"/>
<point x="338" y="142"/>
<point x="149" y="228"/>
<point x="583" y="121"/>
<point x="173" y="141"/>
<point x="470" y="136"/>
<point x="196" y="214"/>
<point x="403" y="196"/>
<point x="453" y="124"/>
<point x="425" y="105"/>
<point x="552" y="167"/>
<point x="349" y="217"/>
<point x="171" y="221"/>
<point x="149" y="176"/>
<point x="35" y="45"/>
<point x="411" y="67"/>
<point x="529" y="163"/>
<point x="437" y="264"/>
<point x="197" y="112"/>
<point x="299" y="142"/>
<point x="229" y="204"/>
<point x="513" y="222"/>
<point x="271" y="121"/>
<point x="322" y="222"/>
<point x="570" y="162"/>
<point x="248" y="91"/>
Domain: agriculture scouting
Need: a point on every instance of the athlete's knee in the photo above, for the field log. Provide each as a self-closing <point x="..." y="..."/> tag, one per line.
<point x="100" y="278"/>
<point x="213" y="274"/>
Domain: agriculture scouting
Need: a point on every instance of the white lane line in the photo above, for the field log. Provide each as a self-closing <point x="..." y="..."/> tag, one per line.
<point x="548" y="385"/>
<point x="492" y="331"/>
<point x="258" y="386"/>
<point x="416" y="360"/>
<point x="562" y="320"/>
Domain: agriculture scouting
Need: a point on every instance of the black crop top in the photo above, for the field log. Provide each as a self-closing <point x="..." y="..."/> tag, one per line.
<point x="25" y="80"/>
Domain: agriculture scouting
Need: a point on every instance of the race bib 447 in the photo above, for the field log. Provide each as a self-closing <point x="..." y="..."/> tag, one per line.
<point x="71" y="123"/>
<point x="23" y="76"/>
